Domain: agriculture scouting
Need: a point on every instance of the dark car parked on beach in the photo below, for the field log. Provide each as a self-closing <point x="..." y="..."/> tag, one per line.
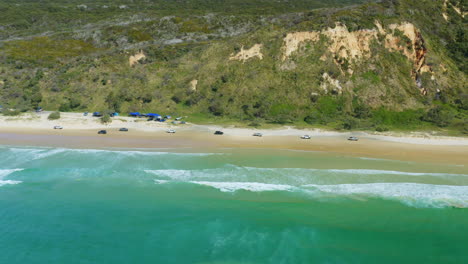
<point x="124" y="129"/>
<point x="219" y="132"/>
<point x="103" y="132"/>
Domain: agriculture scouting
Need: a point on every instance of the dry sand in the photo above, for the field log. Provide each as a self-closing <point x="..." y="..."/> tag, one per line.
<point x="81" y="132"/>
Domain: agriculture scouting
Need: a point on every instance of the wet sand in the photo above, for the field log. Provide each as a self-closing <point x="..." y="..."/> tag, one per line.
<point x="194" y="138"/>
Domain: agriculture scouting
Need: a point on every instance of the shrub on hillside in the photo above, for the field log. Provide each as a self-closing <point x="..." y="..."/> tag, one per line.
<point x="11" y="112"/>
<point x="54" y="116"/>
<point x="105" y="119"/>
<point x="442" y="116"/>
<point x="381" y="128"/>
<point x="406" y="119"/>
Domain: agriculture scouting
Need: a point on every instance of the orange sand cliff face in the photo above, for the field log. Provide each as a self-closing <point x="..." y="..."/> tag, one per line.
<point x="354" y="46"/>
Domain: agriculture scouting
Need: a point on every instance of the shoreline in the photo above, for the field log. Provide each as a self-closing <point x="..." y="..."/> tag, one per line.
<point x="194" y="139"/>
<point x="81" y="132"/>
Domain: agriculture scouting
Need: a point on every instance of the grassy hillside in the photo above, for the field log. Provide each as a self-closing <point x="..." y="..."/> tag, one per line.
<point x="397" y="64"/>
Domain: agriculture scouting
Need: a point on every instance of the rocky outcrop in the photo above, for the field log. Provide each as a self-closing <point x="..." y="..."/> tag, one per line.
<point x="330" y="84"/>
<point x="246" y="54"/>
<point x="136" y="58"/>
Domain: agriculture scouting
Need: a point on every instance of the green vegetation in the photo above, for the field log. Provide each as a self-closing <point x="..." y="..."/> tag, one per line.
<point x="9" y="112"/>
<point x="54" y="116"/>
<point x="73" y="56"/>
<point x="105" y="119"/>
<point x="45" y="51"/>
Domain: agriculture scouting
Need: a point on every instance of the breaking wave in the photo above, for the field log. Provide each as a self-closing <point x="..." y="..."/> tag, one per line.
<point x="411" y="194"/>
<point x="314" y="183"/>
<point x="298" y="176"/>
<point x="5" y="173"/>
<point x="248" y="186"/>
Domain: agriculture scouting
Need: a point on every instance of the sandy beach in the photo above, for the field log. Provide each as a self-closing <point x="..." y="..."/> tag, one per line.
<point x="81" y="132"/>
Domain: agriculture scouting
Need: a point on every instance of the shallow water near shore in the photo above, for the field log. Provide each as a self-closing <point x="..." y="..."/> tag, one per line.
<point x="61" y="205"/>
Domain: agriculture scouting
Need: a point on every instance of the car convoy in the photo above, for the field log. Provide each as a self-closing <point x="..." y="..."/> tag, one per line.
<point x="217" y="132"/>
<point x="172" y="131"/>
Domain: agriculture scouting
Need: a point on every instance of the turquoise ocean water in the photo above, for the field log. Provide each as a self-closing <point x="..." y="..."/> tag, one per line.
<point x="227" y="206"/>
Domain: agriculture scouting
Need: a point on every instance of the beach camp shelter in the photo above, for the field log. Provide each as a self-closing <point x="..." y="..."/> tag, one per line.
<point x="98" y="114"/>
<point x="153" y="115"/>
<point x="135" y="114"/>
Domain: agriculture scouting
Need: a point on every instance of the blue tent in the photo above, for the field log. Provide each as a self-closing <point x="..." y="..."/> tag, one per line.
<point x="153" y="115"/>
<point x="97" y="114"/>
<point x="135" y="114"/>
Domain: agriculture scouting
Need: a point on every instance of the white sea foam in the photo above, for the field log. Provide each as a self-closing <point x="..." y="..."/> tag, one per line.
<point x="42" y="153"/>
<point x="142" y="153"/>
<point x="160" y="181"/>
<point x="387" y="172"/>
<point x="5" y="173"/>
<point x="173" y="173"/>
<point x="356" y="171"/>
<point x="249" y="186"/>
<point x="292" y="176"/>
<point x="385" y="160"/>
<point x="413" y="194"/>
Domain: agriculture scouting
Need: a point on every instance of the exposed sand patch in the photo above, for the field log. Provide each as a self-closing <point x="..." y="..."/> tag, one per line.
<point x="414" y="51"/>
<point x="456" y="8"/>
<point x="444" y="10"/>
<point x="342" y="43"/>
<point x="293" y="40"/>
<point x="193" y="85"/>
<point x="353" y="47"/>
<point x="246" y="54"/>
<point x="136" y="58"/>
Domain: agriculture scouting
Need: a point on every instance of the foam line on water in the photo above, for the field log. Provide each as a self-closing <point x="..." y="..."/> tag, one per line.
<point x="233" y="170"/>
<point x="235" y="186"/>
<point x="410" y="193"/>
<point x="248" y="186"/>
<point x="4" y="173"/>
<point x="387" y="172"/>
<point x="41" y="153"/>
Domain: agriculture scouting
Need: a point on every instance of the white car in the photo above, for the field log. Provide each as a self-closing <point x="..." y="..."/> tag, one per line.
<point x="305" y="137"/>
<point x="257" y="135"/>
<point x="170" y="131"/>
<point x="58" y="127"/>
